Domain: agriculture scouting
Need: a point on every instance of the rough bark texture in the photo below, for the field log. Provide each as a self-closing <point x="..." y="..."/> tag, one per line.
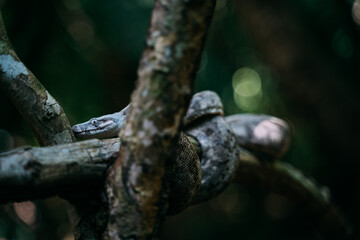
<point x="165" y="78"/>
<point x="74" y="167"/>
<point x="79" y="168"/>
<point x="57" y="170"/>
<point x="37" y="106"/>
<point x="46" y="117"/>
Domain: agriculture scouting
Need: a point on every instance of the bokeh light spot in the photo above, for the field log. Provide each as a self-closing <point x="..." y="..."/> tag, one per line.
<point x="247" y="86"/>
<point x="248" y="103"/>
<point x="246" y="82"/>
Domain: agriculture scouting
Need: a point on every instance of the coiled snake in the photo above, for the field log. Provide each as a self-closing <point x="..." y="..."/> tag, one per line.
<point x="220" y="139"/>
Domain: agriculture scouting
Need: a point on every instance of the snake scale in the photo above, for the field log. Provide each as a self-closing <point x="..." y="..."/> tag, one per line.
<point x="196" y="177"/>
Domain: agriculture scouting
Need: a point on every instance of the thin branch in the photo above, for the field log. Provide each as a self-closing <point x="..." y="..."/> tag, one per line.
<point x="284" y="179"/>
<point x="48" y="122"/>
<point x="167" y="70"/>
<point x="36" y="105"/>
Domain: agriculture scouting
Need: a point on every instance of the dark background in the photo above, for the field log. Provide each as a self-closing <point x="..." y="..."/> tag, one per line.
<point x="295" y="59"/>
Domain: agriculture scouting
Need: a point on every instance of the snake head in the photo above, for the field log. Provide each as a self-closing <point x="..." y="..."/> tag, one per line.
<point x="106" y="126"/>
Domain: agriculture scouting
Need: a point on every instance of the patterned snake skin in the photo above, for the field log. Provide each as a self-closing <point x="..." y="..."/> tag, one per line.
<point x="197" y="178"/>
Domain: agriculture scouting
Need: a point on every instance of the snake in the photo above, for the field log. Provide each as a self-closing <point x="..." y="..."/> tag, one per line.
<point x="199" y="176"/>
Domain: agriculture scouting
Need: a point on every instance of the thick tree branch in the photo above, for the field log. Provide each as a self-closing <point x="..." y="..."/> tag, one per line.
<point x="36" y="105"/>
<point x="166" y="74"/>
<point x="78" y="167"/>
<point x="57" y="170"/>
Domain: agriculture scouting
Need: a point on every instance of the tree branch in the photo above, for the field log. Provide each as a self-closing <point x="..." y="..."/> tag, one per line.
<point x="76" y="168"/>
<point x="47" y="119"/>
<point x="284" y="179"/>
<point x="57" y="170"/>
<point x="43" y="113"/>
<point x="167" y="70"/>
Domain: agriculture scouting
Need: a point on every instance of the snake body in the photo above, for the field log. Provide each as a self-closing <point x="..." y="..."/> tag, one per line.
<point x="197" y="180"/>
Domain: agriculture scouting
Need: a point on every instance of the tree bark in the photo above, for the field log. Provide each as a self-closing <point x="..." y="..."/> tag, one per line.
<point x="64" y="170"/>
<point x="75" y="169"/>
<point x="43" y="113"/>
<point x="137" y="186"/>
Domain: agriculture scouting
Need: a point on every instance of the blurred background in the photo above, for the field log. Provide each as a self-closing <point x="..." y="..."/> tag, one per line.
<point x="295" y="59"/>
